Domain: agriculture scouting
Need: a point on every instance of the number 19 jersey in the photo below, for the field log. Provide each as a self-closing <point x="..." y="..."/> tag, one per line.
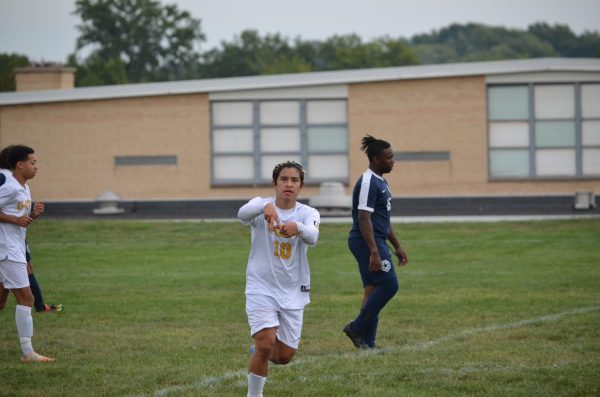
<point x="278" y="266"/>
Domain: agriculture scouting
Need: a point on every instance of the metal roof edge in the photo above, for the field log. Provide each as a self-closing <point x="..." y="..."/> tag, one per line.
<point x="412" y="72"/>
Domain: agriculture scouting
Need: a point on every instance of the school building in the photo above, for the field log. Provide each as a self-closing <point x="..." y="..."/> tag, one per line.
<point x="504" y="136"/>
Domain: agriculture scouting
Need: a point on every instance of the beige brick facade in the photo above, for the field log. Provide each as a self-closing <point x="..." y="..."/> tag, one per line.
<point x="77" y="141"/>
<point x="444" y="114"/>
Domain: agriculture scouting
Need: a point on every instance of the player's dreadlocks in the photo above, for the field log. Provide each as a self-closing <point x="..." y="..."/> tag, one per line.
<point x="373" y="147"/>
<point x="288" y="164"/>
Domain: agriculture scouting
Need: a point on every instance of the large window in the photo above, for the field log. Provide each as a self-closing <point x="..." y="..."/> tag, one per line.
<point x="544" y="131"/>
<point x="249" y="137"/>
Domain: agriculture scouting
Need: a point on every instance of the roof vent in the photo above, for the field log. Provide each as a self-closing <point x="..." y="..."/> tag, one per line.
<point x="332" y="200"/>
<point x="108" y="202"/>
<point x="584" y="201"/>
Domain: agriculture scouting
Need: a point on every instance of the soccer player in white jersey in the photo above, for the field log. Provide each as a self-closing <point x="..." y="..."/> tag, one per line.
<point x="15" y="200"/>
<point x="38" y="209"/>
<point x="277" y="276"/>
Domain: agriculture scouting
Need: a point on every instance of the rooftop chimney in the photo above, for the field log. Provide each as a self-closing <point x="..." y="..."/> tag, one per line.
<point x="44" y="77"/>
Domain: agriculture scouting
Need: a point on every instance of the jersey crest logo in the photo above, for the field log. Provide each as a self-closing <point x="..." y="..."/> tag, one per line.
<point x="386" y="265"/>
<point x="26" y="204"/>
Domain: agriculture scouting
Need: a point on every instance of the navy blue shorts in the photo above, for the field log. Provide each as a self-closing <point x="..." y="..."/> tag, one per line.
<point x="361" y="252"/>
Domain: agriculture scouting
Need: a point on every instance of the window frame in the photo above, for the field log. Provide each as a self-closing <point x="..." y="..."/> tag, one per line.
<point x="257" y="153"/>
<point x="533" y="147"/>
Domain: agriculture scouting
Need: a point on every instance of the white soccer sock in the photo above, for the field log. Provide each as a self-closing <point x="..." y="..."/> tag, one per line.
<point x="256" y="383"/>
<point x="24" y="328"/>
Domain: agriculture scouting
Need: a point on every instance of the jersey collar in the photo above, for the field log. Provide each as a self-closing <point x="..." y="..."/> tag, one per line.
<point x="374" y="174"/>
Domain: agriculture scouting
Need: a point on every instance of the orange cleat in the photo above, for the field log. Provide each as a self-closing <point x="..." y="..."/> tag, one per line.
<point x="33" y="357"/>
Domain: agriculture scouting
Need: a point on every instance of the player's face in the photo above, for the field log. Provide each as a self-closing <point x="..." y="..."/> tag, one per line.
<point x="29" y="166"/>
<point x="288" y="184"/>
<point x="386" y="160"/>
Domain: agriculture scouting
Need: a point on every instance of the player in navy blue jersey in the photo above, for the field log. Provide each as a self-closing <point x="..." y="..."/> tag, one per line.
<point x="371" y="229"/>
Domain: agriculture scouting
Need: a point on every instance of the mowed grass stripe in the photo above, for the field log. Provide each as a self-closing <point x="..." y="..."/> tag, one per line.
<point x="215" y="381"/>
<point x="159" y="307"/>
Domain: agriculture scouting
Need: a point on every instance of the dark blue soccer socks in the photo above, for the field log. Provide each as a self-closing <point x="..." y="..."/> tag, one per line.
<point x="377" y="300"/>
<point x="37" y="293"/>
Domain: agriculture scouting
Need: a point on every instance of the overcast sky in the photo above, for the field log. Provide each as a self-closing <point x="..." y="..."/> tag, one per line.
<point x="44" y="30"/>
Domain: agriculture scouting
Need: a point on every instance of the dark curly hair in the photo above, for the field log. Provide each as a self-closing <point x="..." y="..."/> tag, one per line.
<point x="18" y="153"/>
<point x="288" y="164"/>
<point x="4" y="157"/>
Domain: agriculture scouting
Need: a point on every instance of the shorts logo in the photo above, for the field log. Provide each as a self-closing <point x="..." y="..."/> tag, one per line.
<point x="304" y="288"/>
<point x="386" y="265"/>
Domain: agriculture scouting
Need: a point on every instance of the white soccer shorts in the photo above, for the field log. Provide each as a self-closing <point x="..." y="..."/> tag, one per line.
<point x="264" y="312"/>
<point x="13" y="274"/>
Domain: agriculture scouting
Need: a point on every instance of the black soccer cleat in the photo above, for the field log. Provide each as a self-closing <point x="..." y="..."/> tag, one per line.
<point x="355" y="337"/>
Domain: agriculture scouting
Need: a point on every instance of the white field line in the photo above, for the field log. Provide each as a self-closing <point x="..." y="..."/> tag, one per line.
<point x="215" y="380"/>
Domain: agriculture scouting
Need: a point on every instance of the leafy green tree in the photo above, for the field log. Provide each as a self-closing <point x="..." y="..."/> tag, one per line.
<point x="476" y="42"/>
<point x="153" y="42"/>
<point x="397" y="52"/>
<point x="140" y="40"/>
<point x="95" y="71"/>
<point x="250" y="54"/>
<point x="8" y="63"/>
<point x="349" y="52"/>
<point x="562" y="38"/>
<point x="287" y="65"/>
<point x="590" y="45"/>
<point x="430" y="53"/>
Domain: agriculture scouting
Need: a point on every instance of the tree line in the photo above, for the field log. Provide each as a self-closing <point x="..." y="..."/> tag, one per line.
<point x="135" y="41"/>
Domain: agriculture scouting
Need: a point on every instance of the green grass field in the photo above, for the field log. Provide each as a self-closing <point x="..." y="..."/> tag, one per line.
<point x="157" y="308"/>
